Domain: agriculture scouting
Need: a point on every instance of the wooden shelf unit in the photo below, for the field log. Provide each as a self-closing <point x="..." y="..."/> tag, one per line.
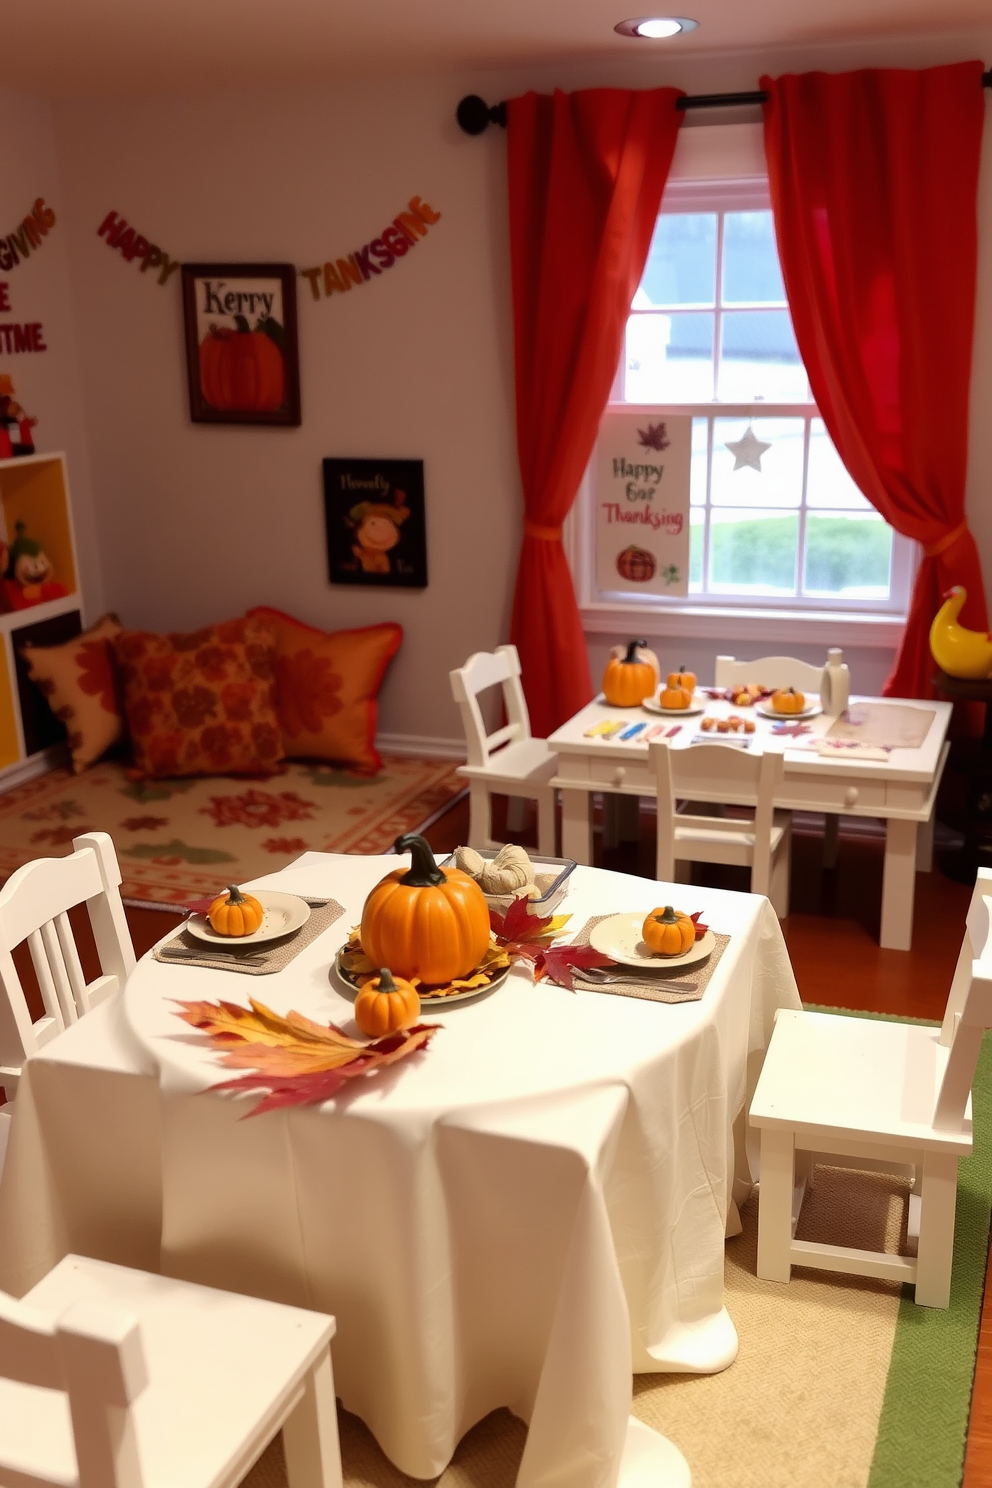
<point x="34" y="489"/>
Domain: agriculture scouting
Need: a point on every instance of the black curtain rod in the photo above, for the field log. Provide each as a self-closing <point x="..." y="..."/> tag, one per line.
<point x="474" y="114"/>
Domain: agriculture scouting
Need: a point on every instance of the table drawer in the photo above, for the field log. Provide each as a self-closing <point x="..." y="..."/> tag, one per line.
<point x="623" y="775"/>
<point x="828" y="793"/>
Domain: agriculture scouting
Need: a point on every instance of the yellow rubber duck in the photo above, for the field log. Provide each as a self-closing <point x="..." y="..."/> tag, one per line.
<point x="957" y="651"/>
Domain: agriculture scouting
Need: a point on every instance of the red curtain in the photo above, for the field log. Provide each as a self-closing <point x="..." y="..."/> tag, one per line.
<point x="874" y="178"/>
<point x="586" y="173"/>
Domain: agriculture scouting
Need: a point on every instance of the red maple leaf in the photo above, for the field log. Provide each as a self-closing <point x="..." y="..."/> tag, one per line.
<point x="523" y="934"/>
<point x="654" y="437"/>
<point x="558" y="962"/>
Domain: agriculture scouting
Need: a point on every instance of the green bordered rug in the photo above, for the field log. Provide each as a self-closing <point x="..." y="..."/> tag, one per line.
<point x="178" y="840"/>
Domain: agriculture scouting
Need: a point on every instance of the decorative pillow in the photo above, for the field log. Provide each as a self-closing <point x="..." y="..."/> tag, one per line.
<point x="80" y="680"/>
<point x="202" y="703"/>
<point x="326" y="688"/>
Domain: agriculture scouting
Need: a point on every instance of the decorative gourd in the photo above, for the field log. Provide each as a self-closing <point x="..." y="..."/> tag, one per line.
<point x="682" y="678"/>
<point x="241" y="371"/>
<point x="668" y="932"/>
<point x="385" y="1004"/>
<point x="510" y="869"/>
<point x="426" y="922"/>
<point x="235" y="913"/>
<point x="644" y="653"/>
<point x="627" y="680"/>
<point x="788" y="700"/>
<point x="675" y="697"/>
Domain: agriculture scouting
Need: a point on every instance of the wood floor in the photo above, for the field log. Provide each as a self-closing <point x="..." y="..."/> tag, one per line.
<point x="831" y="932"/>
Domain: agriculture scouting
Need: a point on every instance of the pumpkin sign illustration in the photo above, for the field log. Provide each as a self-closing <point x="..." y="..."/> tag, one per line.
<point x="241" y="348"/>
<point x="376" y="531"/>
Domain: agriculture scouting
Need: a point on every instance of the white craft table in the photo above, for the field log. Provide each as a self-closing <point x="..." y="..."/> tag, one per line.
<point x="517" y="1217"/>
<point x="900" y="790"/>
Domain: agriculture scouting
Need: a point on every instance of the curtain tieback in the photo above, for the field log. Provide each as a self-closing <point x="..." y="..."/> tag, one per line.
<point x="543" y="534"/>
<point x="934" y="550"/>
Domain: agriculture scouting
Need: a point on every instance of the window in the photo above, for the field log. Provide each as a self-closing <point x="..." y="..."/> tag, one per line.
<point x="776" y="522"/>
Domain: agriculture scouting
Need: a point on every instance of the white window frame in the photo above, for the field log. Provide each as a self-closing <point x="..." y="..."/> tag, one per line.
<point x="721" y="616"/>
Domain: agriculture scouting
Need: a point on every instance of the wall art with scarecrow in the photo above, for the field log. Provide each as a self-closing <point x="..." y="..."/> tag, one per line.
<point x="376" y="532"/>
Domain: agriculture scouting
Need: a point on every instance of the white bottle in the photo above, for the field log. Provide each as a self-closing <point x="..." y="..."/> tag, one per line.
<point x="835" y="684"/>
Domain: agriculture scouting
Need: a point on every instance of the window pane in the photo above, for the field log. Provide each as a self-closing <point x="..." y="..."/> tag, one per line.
<point x="779" y="479"/>
<point x="759" y="358"/>
<point x="681" y="266"/>
<point x="828" y="483"/>
<point x="699" y="465"/>
<point x="753" y="552"/>
<point x="697" y="542"/>
<point x="848" y="554"/>
<point x="669" y="358"/>
<point x="751" y="273"/>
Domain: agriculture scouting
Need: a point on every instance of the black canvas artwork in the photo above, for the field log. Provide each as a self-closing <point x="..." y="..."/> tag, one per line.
<point x="376" y="531"/>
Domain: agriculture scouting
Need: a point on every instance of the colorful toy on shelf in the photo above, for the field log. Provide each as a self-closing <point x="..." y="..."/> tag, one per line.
<point x="628" y="680"/>
<point x="957" y="651"/>
<point x="28" y="576"/>
<point x="15" y="425"/>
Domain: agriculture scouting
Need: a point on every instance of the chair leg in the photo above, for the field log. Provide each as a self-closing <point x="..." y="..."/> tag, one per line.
<point x="310" y="1433"/>
<point x="546" y="823"/>
<point x="775" y="1186"/>
<point x="516" y="813"/>
<point x="479" y="828"/>
<point x="778" y="891"/>
<point x="936" y="1245"/>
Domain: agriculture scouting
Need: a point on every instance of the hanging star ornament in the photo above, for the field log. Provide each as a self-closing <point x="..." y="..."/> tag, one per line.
<point x="747" y="450"/>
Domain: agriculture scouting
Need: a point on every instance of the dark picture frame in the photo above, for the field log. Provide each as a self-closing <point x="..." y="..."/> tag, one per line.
<point x="376" y="523"/>
<point x="242" y="347"/>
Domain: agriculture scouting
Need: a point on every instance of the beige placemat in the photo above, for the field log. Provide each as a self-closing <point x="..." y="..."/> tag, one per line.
<point x="896" y="725"/>
<point x="685" y="986"/>
<point x="254" y="960"/>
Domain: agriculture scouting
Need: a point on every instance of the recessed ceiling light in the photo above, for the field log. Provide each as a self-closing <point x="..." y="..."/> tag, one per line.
<point x="654" y="28"/>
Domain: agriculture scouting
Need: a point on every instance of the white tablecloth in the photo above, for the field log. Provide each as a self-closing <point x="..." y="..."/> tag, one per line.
<point x="517" y="1217"/>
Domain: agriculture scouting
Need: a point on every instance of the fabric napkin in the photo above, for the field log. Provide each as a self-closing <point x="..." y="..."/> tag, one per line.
<point x="687" y="985"/>
<point x="260" y="958"/>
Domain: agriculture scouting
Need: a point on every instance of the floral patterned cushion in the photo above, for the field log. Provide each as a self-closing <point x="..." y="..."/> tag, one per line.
<point x="202" y="703"/>
<point x="327" y="683"/>
<point x="79" y="679"/>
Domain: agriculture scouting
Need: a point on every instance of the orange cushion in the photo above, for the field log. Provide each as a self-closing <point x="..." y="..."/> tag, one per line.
<point x="326" y="688"/>
<point x="203" y="703"/>
<point x="79" y="679"/>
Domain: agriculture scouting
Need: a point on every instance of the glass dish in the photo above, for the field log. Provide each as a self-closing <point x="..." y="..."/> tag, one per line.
<point x="550" y="874"/>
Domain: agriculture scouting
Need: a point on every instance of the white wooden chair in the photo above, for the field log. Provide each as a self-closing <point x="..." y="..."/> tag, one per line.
<point x="770" y="671"/>
<point x="509" y="761"/>
<point x="112" y="1378"/>
<point x="868" y="1093"/>
<point x="33" y="907"/>
<point x="727" y="776"/>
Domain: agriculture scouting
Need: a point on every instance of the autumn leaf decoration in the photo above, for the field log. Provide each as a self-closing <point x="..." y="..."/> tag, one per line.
<point x="528" y="937"/>
<point x="296" y="1061"/>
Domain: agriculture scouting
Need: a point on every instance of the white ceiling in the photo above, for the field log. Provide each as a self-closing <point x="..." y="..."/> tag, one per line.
<point x="80" y="47"/>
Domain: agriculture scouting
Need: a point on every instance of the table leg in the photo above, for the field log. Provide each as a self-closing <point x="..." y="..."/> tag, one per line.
<point x="898" y="885"/>
<point x="924" y="844"/>
<point x="576" y="826"/>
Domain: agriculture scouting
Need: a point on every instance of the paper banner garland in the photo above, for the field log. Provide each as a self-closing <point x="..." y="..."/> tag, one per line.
<point x="131" y="245"/>
<point x="394" y="242"/>
<point x="29" y="233"/>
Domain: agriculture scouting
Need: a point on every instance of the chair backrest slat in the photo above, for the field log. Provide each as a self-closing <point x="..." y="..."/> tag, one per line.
<point x="769" y="671"/>
<point x="483" y="670"/>
<point x="46" y="978"/>
<point x="722" y="773"/>
<point x="966" y="1022"/>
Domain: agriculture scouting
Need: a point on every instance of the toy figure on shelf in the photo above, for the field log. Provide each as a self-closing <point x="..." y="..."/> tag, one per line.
<point x="16" y="437"/>
<point x="28" y="577"/>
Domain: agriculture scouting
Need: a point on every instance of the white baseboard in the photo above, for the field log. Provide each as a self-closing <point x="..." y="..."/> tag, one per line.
<point x="27" y="769"/>
<point x="421" y="745"/>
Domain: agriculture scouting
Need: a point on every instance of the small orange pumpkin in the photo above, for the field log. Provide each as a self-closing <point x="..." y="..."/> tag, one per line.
<point x="235" y="913"/>
<point x="628" y="680"/>
<point x="668" y="932"/>
<point x="682" y="678"/>
<point x="788" y="700"/>
<point x="675" y="697"/>
<point x="385" y="1004"/>
<point x="427" y="922"/>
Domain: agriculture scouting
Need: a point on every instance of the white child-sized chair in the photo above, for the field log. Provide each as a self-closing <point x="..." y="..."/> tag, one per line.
<point x="112" y="1378"/>
<point x="34" y="905"/>
<point x="773" y="671"/>
<point x="726" y="775"/>
<point x="509" y="761"/>
<point x="874" y="1094"/>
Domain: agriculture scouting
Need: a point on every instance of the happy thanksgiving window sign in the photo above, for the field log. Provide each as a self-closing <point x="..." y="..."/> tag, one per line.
<point x="642" y="503"/>
<point x="242" y="358"/>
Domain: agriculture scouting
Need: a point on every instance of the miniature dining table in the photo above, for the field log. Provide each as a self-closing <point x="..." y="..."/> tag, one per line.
<point x="899" y="786"/>
<point x="520" y="1216"/>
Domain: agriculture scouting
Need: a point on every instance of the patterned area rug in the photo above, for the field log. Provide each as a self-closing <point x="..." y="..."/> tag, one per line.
<point x="178" y="840"/>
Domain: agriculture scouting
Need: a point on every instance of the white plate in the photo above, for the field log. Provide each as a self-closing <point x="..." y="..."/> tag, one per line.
<point x="767" y="711"/>
<point x="283" y="913"/>
<point x="619" y="937"/>
<point x="428" y="997"/>
<point x="653" y="706"/>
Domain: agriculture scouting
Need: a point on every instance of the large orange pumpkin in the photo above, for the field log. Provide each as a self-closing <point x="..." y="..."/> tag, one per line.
<point x="628" y="680"/>
<point x="426" y="922"/>
<point x="242" y="371"/>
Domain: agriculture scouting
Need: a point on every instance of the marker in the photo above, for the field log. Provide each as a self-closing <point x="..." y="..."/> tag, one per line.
<point x="653" y="733"/>
<point x="606" y="726"/>
<point x="629" y="733"/>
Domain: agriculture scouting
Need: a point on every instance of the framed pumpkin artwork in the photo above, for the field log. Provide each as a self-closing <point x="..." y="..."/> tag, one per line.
<point x="242" y="356"/>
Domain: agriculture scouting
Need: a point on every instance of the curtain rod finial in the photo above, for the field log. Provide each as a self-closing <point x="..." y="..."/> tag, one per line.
<point x="474" y="114"/>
